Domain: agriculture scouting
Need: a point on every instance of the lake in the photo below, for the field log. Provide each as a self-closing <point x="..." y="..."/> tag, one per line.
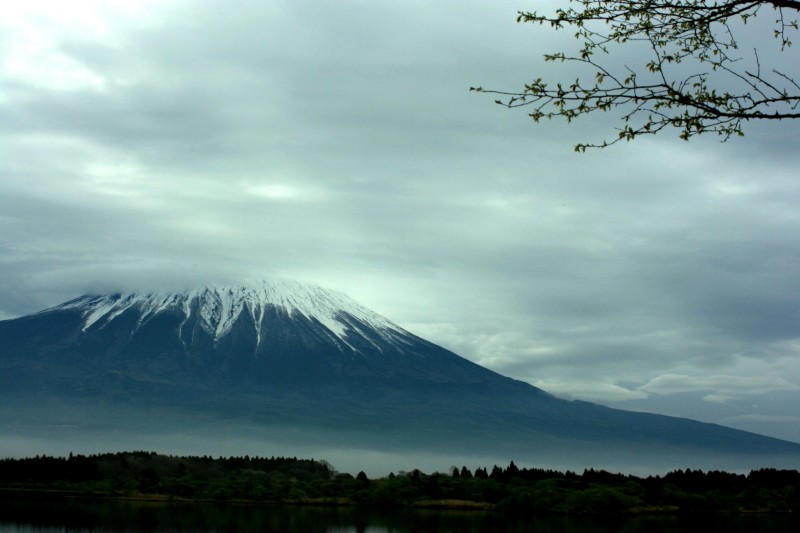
<point x="96" y="516"/>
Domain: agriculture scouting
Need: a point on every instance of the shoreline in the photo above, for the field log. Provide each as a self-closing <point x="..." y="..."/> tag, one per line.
<point x="32" y="494"/>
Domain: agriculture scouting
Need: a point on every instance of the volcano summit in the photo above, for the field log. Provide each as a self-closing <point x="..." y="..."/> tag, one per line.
<point x="290" y="357"/>
<point x="246" y="337"/>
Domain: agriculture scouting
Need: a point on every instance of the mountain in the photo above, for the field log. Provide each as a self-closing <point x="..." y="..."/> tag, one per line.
<point x="297" y="359"/>
<point x="231" y="337"/>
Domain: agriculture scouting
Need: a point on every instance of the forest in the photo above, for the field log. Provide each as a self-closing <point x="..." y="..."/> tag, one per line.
<point x="148" y="475"/>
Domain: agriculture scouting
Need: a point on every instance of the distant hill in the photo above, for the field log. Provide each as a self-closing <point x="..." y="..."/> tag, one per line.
<point x="297" y="359"/>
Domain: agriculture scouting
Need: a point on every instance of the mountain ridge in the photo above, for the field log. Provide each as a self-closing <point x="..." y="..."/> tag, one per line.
<point x="220" y="305"/>
<point x="296" y="357"/>
<point x="220" y="327"/>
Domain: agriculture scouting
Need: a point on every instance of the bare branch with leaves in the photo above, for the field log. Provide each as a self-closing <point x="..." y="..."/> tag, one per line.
<point x="695" y="77"/>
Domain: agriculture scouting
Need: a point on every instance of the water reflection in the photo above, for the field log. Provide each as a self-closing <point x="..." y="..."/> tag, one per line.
<point x="82" y="516"/>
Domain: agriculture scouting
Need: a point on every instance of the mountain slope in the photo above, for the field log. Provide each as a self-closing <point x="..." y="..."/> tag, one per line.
<point x="288" y="355"/>
<point x="246" y="336"/>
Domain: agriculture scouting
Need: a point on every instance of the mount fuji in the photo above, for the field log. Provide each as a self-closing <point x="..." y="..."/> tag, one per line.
<point x="304" y="362"/>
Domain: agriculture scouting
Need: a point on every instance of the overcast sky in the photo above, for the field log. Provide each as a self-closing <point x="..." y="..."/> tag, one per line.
<point x="147" y="145"/>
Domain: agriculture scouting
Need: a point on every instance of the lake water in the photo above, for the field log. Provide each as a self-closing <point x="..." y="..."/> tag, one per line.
<point x="81" y="516"/>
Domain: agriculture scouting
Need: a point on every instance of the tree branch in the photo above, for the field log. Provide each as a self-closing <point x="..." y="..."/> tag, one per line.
<point x="694" y="33"/>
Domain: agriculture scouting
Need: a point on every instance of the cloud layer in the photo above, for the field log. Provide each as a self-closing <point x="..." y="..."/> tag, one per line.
<point x="152" y="144"/>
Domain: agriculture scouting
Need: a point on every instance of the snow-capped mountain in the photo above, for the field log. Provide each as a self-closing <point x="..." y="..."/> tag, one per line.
<point x="297" y="356"/>
<point x="248" y="334"/>
<point x="216" y="309"/>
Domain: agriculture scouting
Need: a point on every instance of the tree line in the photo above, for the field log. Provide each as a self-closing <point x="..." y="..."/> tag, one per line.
<point x="307" y="481"/>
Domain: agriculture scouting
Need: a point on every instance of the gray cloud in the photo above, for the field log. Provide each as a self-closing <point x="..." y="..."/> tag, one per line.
<point x="184" y="143"/>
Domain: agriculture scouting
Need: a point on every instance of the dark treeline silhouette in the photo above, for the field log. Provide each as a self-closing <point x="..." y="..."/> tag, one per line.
<point x="306" y="481"/>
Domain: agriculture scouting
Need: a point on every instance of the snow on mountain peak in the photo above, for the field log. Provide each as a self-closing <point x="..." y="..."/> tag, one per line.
<point x="219" y="306"/>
